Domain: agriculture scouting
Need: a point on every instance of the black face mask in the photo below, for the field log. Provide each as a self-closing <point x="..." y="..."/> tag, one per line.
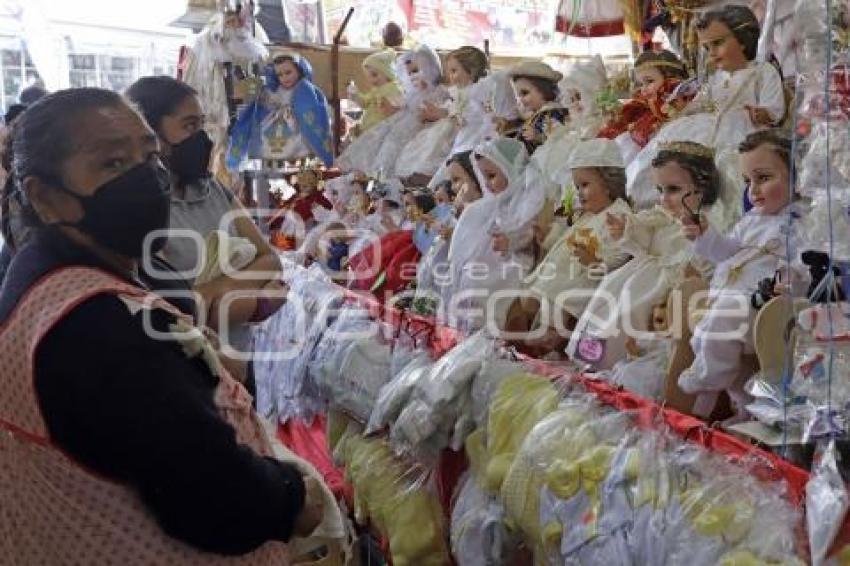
<point x="123" y="211"/>
<point x="190" y="159"/>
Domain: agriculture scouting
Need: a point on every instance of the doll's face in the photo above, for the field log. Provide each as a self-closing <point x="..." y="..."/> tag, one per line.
<point x="307" y="182"/>
<point x="375" y="78"/>
<point x="528" y="96"/>
<point x="287" y="74"/>
<point x="457" y="74"/>
<point x="649" y="80"/>
<point x="441" y="197"/>
<point x="659" y="318"/>
<point x="767" y="178"/>
<point x="673" y="182"/>
<point x="459" y="177"/>
<point x="494" y="179"/>
<point x="592" y="191"/>
<point x="723" y="48"/>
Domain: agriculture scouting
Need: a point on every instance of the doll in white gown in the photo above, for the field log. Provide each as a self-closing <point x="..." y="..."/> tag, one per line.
<point x="490" y="248"/>
<point x="741" y="96"/>
<point x="662" y="257"/>
<point x="376" y="152"/>
<point x="428" y="150"/>
<point x="757" y="248"/>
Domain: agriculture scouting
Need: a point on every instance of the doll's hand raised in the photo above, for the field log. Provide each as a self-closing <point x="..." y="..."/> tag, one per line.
<point x="501" y="243"/>
<point x="616" y="224"/>
<point x="759" y="116"/>
<point x="430" y="112"/>
<point x="691" y="228"/>
<point x="388" y="108"/>
<point x="584" y="255"/>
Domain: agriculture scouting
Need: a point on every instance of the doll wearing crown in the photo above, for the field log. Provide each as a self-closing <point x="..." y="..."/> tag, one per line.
<point x="740" y="97"/>
<point x="288" y="121"/>
<point x="661" y="257"/>
<point x="658" y="75"/>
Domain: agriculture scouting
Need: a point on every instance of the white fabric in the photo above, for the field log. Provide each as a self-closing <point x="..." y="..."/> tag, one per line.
<point x="646" y="374"/>
<point x="512" y="213"/>
<point x="490" y="100"/>
<point x="586" y="79"/>
<point x="755" y="249"/>
<point x="478" y="533"/>
<point x="377" y="151"/>
<point x="225" y="252"/>
<point x="597" y="152"/>
<point x="720" y="121"/>
<point x="660" y="255"/>
<point x="561" y="278"/>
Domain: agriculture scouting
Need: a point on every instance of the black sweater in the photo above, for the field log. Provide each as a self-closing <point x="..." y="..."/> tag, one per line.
<point x="140" y="412"/>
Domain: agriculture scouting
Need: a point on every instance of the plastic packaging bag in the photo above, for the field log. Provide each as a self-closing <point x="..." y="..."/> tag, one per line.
<point x="479" y="536"/>
<point x="284" y="345"/>
<point x="827" y="502"/>
<point x="437" y="414"/>
<point x="394" y="395"/>
<point x="398" y="499"/>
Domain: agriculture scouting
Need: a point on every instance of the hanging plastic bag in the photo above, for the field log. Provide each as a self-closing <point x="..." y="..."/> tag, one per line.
<point x="827" y="502"/>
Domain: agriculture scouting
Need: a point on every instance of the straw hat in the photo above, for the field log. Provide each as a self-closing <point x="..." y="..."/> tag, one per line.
<point x="537" y="69"/>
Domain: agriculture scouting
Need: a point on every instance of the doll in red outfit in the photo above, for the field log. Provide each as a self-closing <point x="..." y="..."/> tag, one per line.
<point x="301" y="205"/>
<point x="658" y="75"/>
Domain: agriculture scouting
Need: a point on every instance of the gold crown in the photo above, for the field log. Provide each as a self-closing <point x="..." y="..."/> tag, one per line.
<point x="688" y="148"/>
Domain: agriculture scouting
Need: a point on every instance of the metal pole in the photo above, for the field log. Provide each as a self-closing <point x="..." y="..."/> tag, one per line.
<point x="335" y="81"/>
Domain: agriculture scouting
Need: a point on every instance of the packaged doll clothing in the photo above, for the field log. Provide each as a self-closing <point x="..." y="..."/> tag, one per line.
<point x="561" y="278"/>
<point x="475" y="267"/>
<point x="283" y="124"/>
<point x="382" y="62"/>
<point x="645" y="374"/>
<point x="756" y="248"/>
<point x="717" y="118"/>
<point x="660" y="256"/>
<point x="377" y="151"/>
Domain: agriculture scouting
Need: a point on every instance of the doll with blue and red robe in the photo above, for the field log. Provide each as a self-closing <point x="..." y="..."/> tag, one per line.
<point x="288" y="121"/>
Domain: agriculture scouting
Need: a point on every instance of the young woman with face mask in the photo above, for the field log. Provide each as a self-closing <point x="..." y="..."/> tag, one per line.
<point x="123" y="436"/>
<point x="200" y="205"/>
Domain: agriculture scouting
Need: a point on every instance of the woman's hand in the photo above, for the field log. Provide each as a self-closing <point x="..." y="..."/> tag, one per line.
<point x="528" y="133"/>
<point x="313" y="510"/>
<point x="446" y="233"/>
<point x="691" y="228"/>
<point x="616" y="224"/>
<point x="501" y="243"/>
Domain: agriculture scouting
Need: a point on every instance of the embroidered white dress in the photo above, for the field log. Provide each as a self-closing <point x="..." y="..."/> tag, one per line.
<point x="717" y="118"/>
<point x="624" y="299"/>
<point x="561" y="278"/>
<point x="754" y="250"/>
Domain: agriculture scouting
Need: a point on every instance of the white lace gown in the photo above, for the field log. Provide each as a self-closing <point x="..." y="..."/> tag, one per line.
<point x="377" y="151"/>
<point x="624" y="298"/>
<point x="717" y="118"/>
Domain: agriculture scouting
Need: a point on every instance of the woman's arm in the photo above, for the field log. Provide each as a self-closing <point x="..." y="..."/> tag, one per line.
<point x="140" y="412"/>
<point x="262" y="274"/>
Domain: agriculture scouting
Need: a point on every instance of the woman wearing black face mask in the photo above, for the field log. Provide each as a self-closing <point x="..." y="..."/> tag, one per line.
<point x="199" y="204"/>
<point x="122" y="437"/>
